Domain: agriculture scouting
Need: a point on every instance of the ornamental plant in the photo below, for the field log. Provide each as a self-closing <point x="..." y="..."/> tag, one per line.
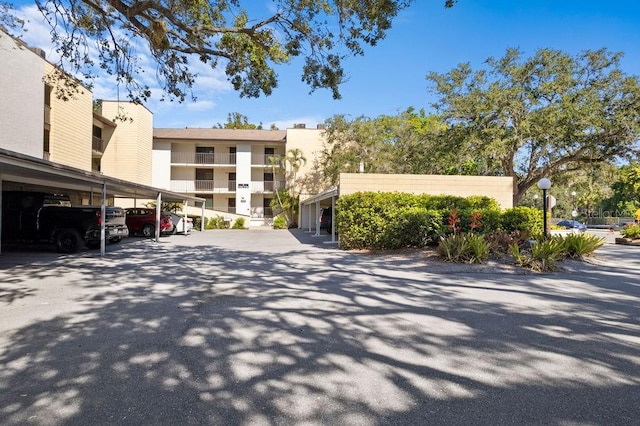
<point x="631" y="231"/>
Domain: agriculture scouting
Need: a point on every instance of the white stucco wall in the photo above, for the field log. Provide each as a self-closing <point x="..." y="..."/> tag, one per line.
<point x="243" y="177"/>
<point x="161" y="165"/>
<point x="22" y="106"/>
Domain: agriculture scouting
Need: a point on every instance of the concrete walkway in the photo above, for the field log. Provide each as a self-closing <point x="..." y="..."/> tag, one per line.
<point x="269" y="327"/>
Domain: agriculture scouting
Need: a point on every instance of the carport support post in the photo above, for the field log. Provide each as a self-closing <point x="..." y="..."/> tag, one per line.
<point x="202" y="218"/>
<point x="184" y="222"/>
<point x="158" y="209"/>
<point x="0" y="214"/>
<point x="317" y="234"/>
<point x="103" y="222"/>
<point x="310" y="217"/>
<point x="333" y="219"/>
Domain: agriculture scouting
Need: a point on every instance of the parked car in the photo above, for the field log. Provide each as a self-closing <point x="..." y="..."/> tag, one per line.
<point x="179" y="224"/>
<point x="143" y="221"/>
<point x="326" y="218"/>
<point x="572" y="224"/>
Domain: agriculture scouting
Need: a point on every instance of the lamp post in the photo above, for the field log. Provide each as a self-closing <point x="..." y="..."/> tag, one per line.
<point x="574" y="213"/>
<point x="535" y="200"/>
<point x="544" y="184"/>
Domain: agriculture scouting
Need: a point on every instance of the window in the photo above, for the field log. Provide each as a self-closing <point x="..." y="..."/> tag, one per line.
<point x="232" y="155"/>
<point x="204" y="154"/>
<point x="232" y="181"/>
<point x="204" y="180"/>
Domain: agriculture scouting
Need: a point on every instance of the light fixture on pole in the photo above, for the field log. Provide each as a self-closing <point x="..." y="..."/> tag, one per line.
<point x="544" y="184"/>
<point x="535" y="200"/>
<point x="574" y="213"/>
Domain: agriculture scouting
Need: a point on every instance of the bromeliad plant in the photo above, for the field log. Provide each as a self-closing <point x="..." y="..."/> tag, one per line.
<point x="459" y="247"/>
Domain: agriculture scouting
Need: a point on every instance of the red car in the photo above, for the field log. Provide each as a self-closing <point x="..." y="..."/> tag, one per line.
<point x="143" y="221"/>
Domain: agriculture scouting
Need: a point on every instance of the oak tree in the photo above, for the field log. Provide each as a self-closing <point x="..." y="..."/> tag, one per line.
<point x="247" y="38"/>
<point x="543" y="116"/>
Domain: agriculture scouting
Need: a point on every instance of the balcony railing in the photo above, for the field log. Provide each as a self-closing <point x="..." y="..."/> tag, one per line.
<point x="98" y="145"/>
<point x="47" y="114"/>
<point x="266" y="186"/>
<point x="266" y="160"/>
<point x="204" y="186"/>
<point x="223" y="186"/>
<point x="202" y="158"/>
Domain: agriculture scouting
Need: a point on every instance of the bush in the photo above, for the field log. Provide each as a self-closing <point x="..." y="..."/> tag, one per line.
<point x="280" y="223"/>
<point x="464" y="248"/>
<point x="522" y="219"/>
<point x="577" y="246"/>
<point x="500" y="242"/>
<point x="378" y="220"/>
<point x="543" y="255"/>
<point x="216" y="222"/>
<point x="413" y="227"/>
<point x="238" y="224"/>
<point x="631" y="231"/>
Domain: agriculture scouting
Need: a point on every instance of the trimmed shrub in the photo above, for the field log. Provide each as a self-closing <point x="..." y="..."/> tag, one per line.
<point x="377" y="220"/>
<point x="280" y="223"/>
<point x="522" y="219"/>
<point x="238" y="224"/>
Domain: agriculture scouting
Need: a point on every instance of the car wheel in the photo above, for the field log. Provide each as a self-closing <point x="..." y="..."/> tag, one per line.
<point x="68" y="241"/>
<point x="148" y="230"/>
<point x="115" y="240"/>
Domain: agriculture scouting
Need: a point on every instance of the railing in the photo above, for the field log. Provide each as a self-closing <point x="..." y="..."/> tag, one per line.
<point x="266" y="160"/>
<point x="266" y="186"/>
<point x="98" y="145"/>
<point x="223" y="186"/>
<point x="202" y="158"/>
<point x="47" y="114"/>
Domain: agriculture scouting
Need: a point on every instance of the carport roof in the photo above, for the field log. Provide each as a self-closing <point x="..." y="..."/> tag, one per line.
<point x="324" y="195"/>
<point x="20" y="168"/>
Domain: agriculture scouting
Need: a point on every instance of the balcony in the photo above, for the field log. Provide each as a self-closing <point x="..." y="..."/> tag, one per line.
<point x="98" y="145"/>
<point x="266" y="160"/>
<point x="47" y="114"/>
<point x="200" y="158"/>
<point x="266" y="186"/>
<point x="203" y="186"/>
<point x="223" y="186"/>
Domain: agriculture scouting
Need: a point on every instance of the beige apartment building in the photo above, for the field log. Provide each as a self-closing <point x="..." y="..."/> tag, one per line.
<point x="237" y="171"/>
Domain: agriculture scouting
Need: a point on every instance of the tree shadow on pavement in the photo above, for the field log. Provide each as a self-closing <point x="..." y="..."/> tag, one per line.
<point x="207" y="334"/>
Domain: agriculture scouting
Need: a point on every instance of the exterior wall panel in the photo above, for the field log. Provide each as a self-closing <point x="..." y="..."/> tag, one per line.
<point x="22" y="106"/>
<point x="129" y="153"/>
<point x="497" y="187"/>
<point x="71" y="128"/>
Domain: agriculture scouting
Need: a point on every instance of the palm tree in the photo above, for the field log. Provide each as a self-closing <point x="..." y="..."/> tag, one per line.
<point x="296" y="159"/>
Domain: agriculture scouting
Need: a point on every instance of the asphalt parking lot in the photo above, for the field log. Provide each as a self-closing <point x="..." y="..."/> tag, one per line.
<point x="267" y="327"/>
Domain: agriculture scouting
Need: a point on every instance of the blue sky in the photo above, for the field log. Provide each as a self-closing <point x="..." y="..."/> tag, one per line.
<point x="391" y="76"/>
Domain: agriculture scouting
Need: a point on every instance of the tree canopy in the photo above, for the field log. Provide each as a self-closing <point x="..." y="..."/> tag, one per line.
<point x="406" y="143"/>
<point x="245" y="37"/>
<point x="237" y="120"/>
<point x="544" y="116"/>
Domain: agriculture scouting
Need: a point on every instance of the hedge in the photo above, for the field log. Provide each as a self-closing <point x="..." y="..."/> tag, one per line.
<point x="383" y="220"/>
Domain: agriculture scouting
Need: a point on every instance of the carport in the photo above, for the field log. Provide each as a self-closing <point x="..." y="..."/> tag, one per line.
<point x="310" y="211"/>
<point x="25" y="170"/>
